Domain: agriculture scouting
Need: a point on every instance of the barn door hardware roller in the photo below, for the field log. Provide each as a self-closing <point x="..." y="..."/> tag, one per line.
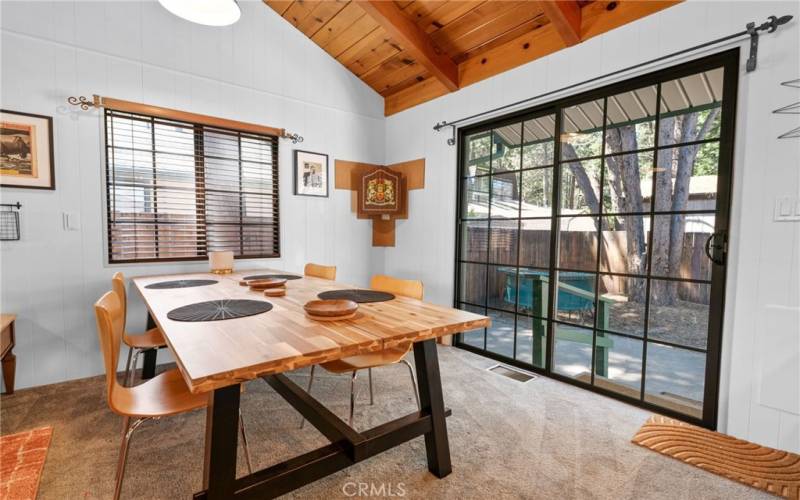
<point x="770" y="26"/>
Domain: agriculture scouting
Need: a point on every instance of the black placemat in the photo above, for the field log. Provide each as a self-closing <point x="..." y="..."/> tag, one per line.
<point x="360" y="296"/>
<point x="161" y="285"/>
<point x="215" y="310"/>
<point x="268" y="276"/>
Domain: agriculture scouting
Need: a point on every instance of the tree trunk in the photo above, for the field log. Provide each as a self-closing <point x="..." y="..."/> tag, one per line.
<point x="627" y="168"/>
<point x="669" y="232"/>
<point x="680" y="197"/>
<point x="581" y="177"/>
<point x="663" y="292"/>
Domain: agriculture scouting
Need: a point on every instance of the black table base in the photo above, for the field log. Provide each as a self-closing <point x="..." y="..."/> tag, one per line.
<point x="150" y="355"/>
<point x="347" y="447"/>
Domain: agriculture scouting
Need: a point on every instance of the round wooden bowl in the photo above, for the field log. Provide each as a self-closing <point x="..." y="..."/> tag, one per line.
<point x="275" y="292"/>
<point x="330" y="308"/>
<point x="268" y="283"/>
<point x="332" y="318"/>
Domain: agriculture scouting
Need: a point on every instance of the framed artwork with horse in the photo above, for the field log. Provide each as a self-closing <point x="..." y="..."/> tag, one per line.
<point x="26" y="150"/>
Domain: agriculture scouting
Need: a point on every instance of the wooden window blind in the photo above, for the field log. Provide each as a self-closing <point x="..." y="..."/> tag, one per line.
<point x="177" y="190"/>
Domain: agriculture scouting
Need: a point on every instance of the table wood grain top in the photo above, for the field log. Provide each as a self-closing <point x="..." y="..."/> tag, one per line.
<point x="215" y="354"/>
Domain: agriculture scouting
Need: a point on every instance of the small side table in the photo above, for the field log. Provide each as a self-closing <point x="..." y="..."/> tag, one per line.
<point x="7" y="339"/>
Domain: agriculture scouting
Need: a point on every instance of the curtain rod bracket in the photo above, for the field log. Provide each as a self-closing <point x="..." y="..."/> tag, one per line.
<point x="85" y="103"/>
<point x="450" y="140"/>
<point x="770" y="26"/>
<point x="295" y="138"/>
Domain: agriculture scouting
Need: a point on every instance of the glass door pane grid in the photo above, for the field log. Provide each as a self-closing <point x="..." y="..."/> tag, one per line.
<point x="651" y="279"/>
<point x="649" y="149"/>
<point x="528" y="169"/>
<point x="493" y="222"/>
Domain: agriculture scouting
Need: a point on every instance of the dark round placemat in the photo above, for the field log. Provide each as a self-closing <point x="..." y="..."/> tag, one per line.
<point x="215" y="310"/>
<point x="268" y="276"/>
<point x="180" y="284"/>
<point x="360" y="296"/>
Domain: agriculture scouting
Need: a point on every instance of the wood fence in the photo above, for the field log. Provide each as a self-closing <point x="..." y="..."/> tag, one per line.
<point x="578" y="250"/>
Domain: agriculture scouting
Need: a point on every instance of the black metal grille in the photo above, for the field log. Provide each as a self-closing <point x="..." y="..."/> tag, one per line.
<point x="178" y="190"/>
<point x="540" y="249"/>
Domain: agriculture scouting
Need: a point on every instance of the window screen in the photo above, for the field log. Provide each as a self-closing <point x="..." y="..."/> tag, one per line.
<point x="178" y="190"/>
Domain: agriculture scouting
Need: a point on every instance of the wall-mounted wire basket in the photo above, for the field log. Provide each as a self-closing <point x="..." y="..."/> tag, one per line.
<point x="9" y="222"/>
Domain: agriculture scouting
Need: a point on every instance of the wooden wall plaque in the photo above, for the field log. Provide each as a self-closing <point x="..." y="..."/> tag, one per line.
<point x="350" y="175"/>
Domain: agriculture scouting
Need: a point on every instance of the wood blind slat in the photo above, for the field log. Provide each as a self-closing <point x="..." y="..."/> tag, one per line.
<point x="177" y="190"/>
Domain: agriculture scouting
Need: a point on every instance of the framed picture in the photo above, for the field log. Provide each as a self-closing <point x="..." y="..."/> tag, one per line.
<point x="26" y="151"/>
<point x="310" y="173"/>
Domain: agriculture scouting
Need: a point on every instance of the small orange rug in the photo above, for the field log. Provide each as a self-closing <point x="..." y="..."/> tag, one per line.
<point x="774" y="471"/>
<point x="21" y="461"/>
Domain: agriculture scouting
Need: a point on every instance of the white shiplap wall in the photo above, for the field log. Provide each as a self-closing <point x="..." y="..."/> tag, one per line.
<point x="760" y="392"/>
<point x="260" y="70"/>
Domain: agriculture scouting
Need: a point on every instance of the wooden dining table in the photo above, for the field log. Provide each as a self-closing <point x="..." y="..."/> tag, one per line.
<point x="218" y="356"/>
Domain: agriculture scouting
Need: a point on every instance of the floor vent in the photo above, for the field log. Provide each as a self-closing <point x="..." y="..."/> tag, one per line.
<point x="511" y="373"/>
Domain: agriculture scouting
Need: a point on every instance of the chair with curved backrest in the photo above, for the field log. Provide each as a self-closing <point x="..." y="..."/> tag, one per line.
<point x="163" y="395"/>
<point x="319" y="271"/>
<point x="407" y="288"/>
<point x="151" y="339"/>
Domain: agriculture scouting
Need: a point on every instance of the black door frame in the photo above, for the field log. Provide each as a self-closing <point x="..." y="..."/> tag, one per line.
<point x="729" y="60"/>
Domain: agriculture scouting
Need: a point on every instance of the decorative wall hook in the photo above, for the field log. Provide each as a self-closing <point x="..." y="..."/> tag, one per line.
<point x="792" y="83"/>
<point x="295" y="138"/>
<point x="789" y="109"/>
<point x="85" y="103"/>
<point x="792" y="134"/>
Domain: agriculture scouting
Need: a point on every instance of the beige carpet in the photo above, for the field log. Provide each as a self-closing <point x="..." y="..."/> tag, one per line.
<point x="542" y="439"/>
<point x="775" y="471"/>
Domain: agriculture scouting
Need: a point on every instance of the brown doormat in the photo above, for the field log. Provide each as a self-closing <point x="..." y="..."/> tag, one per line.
<point x="22" y="458"/>
<point x="774" y="471"/>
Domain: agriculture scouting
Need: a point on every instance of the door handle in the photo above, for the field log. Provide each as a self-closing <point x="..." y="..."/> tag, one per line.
<point x="717" y="247"/>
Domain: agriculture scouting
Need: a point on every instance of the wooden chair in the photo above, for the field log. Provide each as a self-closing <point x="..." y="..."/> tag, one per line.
<point x="151" y="339"/>
<point x="319" y="271"/>
<point x="407" y="288"/>
<point x="163" y="395"/>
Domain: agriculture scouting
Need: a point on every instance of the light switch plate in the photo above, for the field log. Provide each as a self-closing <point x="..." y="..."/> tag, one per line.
<point x="787" y="209"/>
<point x="71" y="221"/>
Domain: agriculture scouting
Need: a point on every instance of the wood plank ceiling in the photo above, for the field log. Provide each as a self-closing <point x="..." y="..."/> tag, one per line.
<point x="412" y="51"/>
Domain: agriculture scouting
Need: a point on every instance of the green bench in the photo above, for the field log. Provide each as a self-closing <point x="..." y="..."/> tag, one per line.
<point x="574" y="296"/>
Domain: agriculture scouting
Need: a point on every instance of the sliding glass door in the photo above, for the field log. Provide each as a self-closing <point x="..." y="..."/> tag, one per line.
<point x="592" y="230"/>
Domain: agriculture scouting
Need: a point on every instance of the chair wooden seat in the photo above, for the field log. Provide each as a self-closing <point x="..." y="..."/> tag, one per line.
<point x="352" y="364"/>
<point x="137" y="343"/>
<point x="320" y="271"/>
<point x="163" y="395"/>
<point x="370" y="360"/>
<point x="150" y="339"/>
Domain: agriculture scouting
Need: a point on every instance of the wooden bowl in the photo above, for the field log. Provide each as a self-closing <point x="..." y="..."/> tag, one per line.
<point x="332" y="318"/>
<point x="268" y="283"/>
<point x="330" y="308"/>
<point x="275" y="292"/>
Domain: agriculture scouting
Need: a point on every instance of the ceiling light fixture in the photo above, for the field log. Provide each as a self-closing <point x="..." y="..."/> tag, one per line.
<point x="207" y="12"/>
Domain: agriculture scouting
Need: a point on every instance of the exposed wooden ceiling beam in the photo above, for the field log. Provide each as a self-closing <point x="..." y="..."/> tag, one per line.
<point x="596" y="18"/>
<point x="565" y="16"/>
<point x="415" y="41"/>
